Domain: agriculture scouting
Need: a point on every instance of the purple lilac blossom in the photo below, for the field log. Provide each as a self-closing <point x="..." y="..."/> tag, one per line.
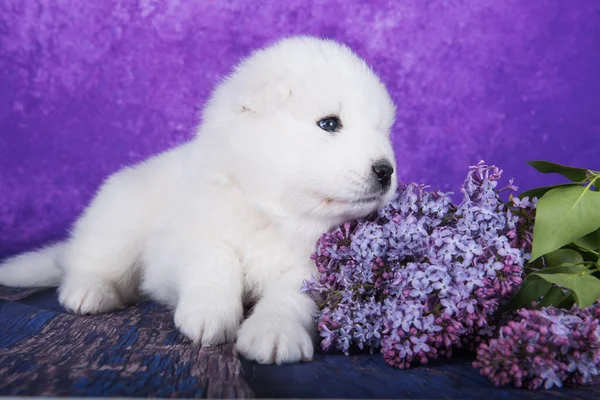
<point x="422" y="275"/>
<point x="546" y="347"/>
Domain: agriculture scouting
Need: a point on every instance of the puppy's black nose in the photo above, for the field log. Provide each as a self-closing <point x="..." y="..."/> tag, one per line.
<point x="383" y="171"/>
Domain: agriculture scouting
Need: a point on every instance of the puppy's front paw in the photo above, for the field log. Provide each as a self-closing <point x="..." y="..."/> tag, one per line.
<point x="88" y="296"/>
<point x="207" y="323"/>
<point x="269" y="339"/>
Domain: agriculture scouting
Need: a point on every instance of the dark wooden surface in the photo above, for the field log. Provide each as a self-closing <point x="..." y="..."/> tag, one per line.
<point x="137" y="352"/>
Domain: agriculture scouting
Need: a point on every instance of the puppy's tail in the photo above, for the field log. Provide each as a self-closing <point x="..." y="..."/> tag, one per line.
<point x="37" y="268"/>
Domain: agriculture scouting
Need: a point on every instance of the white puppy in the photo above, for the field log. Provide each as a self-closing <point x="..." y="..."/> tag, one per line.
<point x="293" y="143"/>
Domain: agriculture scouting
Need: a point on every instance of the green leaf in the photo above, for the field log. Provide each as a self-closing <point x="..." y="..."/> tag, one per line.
<point x="591" y="241"/>
<point x="586" y="288"/>
<point x="562" y="256"/>
<point x="535" y="264"/>
<point x="562" y="269"/>
<point x="563" y="215"/>
<point x="571" y="173"/>
<point x="553" y="297"/>
<point x="588" y="255"/>
<point x="539" y="192"/>
<point x="532" y="288"/>
<point x="568" y="301"/>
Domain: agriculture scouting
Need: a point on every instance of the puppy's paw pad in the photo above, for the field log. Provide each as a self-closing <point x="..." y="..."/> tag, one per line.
<point x="269" y="340"/>
<point x="208" y="326"/>
<point x="89" y="296"/>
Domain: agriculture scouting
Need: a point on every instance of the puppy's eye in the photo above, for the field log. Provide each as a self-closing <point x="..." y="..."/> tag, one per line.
<point x="330" y="124"/>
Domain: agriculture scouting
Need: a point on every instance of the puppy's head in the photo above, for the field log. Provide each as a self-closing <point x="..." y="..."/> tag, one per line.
<point x="305" y="125"/>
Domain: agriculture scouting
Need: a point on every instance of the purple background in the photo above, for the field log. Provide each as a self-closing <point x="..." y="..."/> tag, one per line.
<point x="87" y="87"/>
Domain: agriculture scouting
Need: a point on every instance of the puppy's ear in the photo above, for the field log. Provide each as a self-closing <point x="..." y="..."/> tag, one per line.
<point x="265" y="96"/>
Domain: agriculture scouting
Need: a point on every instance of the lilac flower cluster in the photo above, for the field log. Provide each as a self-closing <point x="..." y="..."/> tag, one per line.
<point x="422" y="274"/>
<point x="545" y="347"/>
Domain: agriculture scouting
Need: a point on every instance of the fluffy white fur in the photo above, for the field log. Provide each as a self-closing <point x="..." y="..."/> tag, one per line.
<point x="232" y="216"/>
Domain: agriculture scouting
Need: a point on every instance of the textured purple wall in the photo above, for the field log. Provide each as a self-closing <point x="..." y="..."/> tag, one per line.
<point x="89" y="86"/>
